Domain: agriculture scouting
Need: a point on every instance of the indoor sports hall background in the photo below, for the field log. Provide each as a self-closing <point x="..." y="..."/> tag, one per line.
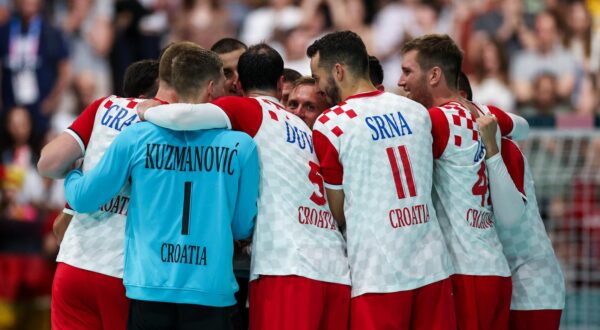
<point x="536" y="58"/>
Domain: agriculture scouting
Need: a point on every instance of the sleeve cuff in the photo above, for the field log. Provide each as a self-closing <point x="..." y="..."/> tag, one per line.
<point x="333" y="186"/>
<point x="77" y="138"/>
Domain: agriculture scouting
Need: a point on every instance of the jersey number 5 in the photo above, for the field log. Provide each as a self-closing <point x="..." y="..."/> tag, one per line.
<point x="404" y="160"/>
<point x="315" y="177"/>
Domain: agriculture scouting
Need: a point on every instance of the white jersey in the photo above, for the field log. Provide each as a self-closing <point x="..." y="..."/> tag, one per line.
<point x="537" y="279"/>
<point x="461" y="193"/>
<point x="377" y="147"/>
<point x="94" y="241"/>
<point x="295" y="233"/>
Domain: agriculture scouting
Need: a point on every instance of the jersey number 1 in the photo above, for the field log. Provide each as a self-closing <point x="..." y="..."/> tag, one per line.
<point x="402" y="155"/>
<point x="185" y="221"/>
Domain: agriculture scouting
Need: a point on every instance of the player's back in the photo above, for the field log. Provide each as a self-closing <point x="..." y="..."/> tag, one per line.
<point x="386" y="164"/>
<point x="295" y="232"/>
<point x="94" y="241"/>
<point x="538" y="281"/>
<point x="185" y="212"/>
<point x="461" y="193"/>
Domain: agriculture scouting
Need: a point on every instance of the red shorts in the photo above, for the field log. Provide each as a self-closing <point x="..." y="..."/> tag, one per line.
<point x="428" y="307"/>
<point x="298" y="303"/>
<point x="543" y="319"/>
<point x="482" y="302"/>
<point x="83" y="299"/>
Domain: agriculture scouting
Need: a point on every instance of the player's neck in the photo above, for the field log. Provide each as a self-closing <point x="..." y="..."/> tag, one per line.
<point x="260" y="92"/>
<point x="358" y="86"/>
<point x="445" y="97"/>
<point x="166" y="93"/>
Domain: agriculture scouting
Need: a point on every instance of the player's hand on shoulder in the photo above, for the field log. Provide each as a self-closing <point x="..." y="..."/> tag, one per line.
<point x="488" y="124"/>
<point x="144" y="106"/>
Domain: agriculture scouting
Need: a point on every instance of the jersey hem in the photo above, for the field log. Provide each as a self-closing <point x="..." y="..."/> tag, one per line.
<point x="392" y="289"/>
<point x="179" y="296"/>
<point x="256" y="275"/>
<point x="90" y="269"/>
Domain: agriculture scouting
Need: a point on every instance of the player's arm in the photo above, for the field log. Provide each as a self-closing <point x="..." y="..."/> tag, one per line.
<point x="332" y="172"/>
<point x="238" y="113"/>
<point x="335" y="198"/>
<point x="59" y="154"/>
<point x="245" y="209"/>
<point x="511" y="125"/>
<point x="60" y="225"/>
<point x="86" y="193"/>
<point x="508" y="202"/>
<point x="188" y="117"/>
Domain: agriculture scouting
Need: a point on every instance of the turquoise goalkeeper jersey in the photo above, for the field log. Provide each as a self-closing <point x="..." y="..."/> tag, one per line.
<point x="192" y="194"/>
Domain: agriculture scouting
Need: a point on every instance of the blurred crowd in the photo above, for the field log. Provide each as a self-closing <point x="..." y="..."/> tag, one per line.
<point x="538" y="58"/>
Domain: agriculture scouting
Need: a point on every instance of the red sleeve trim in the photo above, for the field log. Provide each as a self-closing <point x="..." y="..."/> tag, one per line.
<point x="440" y="130"/>
<point x="504" y="121"/>
<point x="331" y="168"/>
<point x="245" y="114"/>
<point x="84" y="124"/>
<point x="515" y="163"/>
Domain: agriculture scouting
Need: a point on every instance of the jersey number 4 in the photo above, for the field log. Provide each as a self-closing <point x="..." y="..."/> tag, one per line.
<point x="399" y="158"/>
<point x="480" y="188"/>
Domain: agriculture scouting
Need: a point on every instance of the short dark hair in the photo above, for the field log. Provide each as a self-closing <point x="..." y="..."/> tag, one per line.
<point x="375" y="71"/>
<point x="437" y="50"/>
<point x="141" y="79"/>
<point x="193" y="68"/>
<point x="341" y="47"/>
<point x="463" y="84"/>
<point x="166" y="58"/>
<point x="260" y="67"/>
<point x="227" y="45"/>
<point x="290" y="75"/>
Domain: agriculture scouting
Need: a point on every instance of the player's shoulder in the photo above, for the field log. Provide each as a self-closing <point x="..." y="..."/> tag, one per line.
<point x="235" y="101"/>
<point x="124" y="102"/>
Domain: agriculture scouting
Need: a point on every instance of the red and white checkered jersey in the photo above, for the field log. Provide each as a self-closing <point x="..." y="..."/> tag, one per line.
<point x="461" y="195"/>
<point x="537" y="279"/>
<point x="94" y="241"/>
<point x="377" y="147"/>
<point x="295" y="233"/>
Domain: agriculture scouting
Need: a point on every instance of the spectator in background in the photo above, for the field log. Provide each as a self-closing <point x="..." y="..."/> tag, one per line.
<point x="295" y="42"/>
<point x="376" y="73"/>
<point x="261" y="24"/>
<point x="580" y="39"/>
<point x="306" y="101"/>
<point x="35" y="65"/>
<point x="508" y="23"/>
<point x="289" y="77"/>
<point x="546" y="101"/>
<point x="89" y="30"/>
<point x="229" y="51"/>
<point x="490" y="81"/>
<point x="203" y="22"/>
<point x="547" y="56"/>
<point x="25" y="274"/>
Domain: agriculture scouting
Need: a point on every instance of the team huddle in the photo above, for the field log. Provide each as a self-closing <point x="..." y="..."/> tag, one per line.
<point x="329" y="204"/>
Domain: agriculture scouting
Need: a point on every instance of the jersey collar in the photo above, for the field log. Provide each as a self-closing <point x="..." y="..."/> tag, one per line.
<point x="366" y="94"/>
